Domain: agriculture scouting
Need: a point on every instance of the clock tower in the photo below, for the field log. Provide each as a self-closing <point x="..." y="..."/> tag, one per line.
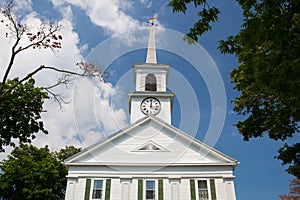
<point x="150" y="78"/>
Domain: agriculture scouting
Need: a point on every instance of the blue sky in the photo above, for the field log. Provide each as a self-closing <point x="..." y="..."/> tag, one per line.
<point x="86" y="24"/>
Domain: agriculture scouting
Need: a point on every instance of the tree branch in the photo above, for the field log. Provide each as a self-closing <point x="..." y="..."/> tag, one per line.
<point x="33" y="73"/>
<point x="57" y="97"/>
<point x="45" y="37"/>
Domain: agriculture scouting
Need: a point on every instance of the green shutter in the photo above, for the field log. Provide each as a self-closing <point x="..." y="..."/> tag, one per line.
<point x="140" y="190"/>
<point x="87" y="189"/>
<point x="160" y="190"/>
<point x="213" y="189"/>
<point x="193" y="191"/>
<point x="107" y="189"/>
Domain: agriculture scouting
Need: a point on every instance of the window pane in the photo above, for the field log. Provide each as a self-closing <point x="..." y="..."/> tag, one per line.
<point x="202" y="184"/>
<point x="97" y="194"/>
<point x="203" y="194"/>
<point x="98" y="184"/>
<point x="150" y="185"/>
<point x="150" y="194"/>
<point x="202" y="190"/>
<point x="150" y="190"/>
<point x="97" y="189"/>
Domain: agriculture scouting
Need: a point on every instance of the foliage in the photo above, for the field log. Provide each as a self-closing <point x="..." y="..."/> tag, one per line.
<point x="268" y="77"/>
<point x="291" y="155"/>
<point x="69" y="151"/>
<point x="268" y="49"/>
<point x="20" y="112"/>
<point x="33" y="173"/>
<point x="206" y="15"/>
<point x="294" y="193"/>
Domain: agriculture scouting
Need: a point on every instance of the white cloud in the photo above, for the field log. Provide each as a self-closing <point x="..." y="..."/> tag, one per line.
<point x="95" y="106"/>
<point x="67" y="12"/>
<point x="23" y="5"/>
<point x="61" y="125"/>
<point x="84" y="48"/>
<point x="108" y="14"/>
<point x="147" y="3"/>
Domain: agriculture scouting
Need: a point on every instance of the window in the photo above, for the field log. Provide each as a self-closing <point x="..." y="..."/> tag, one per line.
<point x="150" y="190"/>
<point x="202" y="190"/>
<point x="97" y="189"/>
<point x="149" y="147"/>
<point x="150" y="83"/>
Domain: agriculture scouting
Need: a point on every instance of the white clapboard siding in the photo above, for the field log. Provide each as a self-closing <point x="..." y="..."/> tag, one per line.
<point x="220" y="189"/>
<point x="230" y="190"/>
<point x="80" y="189"/>
<point x="133" y="189"/>
<point x="184" y="189"/>
<point x="115" y="189"/>
<point x="174" y="149"/>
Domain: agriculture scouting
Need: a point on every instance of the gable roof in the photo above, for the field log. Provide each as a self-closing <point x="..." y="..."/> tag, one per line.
<point x="124" y="147"/>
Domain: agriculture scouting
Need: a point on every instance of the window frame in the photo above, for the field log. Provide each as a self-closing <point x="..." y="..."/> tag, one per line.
<point x="92" y="188"/>
<point x="208" y="188"/>
<point x="155" y="188"/>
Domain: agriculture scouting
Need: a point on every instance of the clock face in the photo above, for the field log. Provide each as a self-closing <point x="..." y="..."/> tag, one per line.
<point x="150" y="106"/>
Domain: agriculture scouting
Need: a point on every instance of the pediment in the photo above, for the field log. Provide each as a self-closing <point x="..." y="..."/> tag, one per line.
<point x="150" y="141"/>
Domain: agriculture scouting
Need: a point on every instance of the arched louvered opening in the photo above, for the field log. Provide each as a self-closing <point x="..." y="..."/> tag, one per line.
<point x="151" y="83"/>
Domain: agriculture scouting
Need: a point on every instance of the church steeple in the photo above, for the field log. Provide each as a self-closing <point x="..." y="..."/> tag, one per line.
<point x="151" y="53"/>
<point x="150" y="96"/>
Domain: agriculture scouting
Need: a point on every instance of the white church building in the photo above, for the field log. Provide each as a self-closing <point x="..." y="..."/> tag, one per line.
<point x="150" y="159"/>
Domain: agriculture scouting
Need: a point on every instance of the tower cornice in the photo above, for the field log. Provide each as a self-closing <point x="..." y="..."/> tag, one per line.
<point x="149" y="67"/>
<point x="145" y="94"/>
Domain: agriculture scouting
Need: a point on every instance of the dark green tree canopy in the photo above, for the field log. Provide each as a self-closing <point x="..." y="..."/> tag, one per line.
<point x="268" y="49"/>
<point x="20" y="112"/>
<point x="268" y="75"/>
<point x="206" y="15"/>
<point x="34" y="173"/>
<point x="67" y="152"/>
<point x="291" y="155"/>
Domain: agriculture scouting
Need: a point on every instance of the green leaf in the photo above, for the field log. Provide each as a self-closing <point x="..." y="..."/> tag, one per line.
<point x="20" y="112"/>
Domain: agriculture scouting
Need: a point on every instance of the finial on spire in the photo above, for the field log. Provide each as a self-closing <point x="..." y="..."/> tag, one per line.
<point x="151" y="53"/>
<point x="152" y="20"/>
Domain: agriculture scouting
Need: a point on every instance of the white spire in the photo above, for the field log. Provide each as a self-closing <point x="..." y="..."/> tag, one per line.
<point x="151" y="54"/>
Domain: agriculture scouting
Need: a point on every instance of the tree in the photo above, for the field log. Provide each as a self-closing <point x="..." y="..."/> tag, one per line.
<point x="21" y="112"/>
<point x="34" y="173"/>
<point x="268" y="49"/>
<point x="290" y="155"/>
<point x="67" y="152"/>
<point x="294" y="193"/>
<point x="21" y="102"/>
<point x="207" y="15"/>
